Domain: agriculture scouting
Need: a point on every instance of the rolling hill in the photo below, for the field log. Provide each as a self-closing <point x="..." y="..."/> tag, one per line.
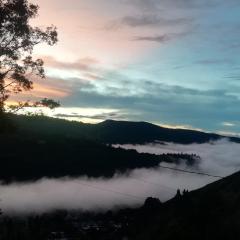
<point x="112" y="132"/>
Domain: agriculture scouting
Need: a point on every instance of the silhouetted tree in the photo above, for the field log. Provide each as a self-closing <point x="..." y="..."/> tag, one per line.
<point x="46" y="102"/>
<point x="17" y="41"/>
<point x="152" y="203"/>
<point x="178" y="195"/>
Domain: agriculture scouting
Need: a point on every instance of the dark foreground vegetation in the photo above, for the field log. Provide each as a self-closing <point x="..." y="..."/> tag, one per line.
<point x="38" y="151"/>
<point x="209" y="213"/>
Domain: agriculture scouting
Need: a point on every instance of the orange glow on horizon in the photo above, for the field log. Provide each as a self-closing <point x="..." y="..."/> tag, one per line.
<point x="38" y="92"/>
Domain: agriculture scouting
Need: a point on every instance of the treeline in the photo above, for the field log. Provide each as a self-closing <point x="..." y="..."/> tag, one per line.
<point x="32" y="156"/>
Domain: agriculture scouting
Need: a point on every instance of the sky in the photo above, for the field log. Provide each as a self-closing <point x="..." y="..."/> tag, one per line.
<point x="169" y="62"/>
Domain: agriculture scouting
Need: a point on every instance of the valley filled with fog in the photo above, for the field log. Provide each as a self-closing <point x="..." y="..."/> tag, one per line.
<point x="128" y="189"/>
<point x="217" y="157"/>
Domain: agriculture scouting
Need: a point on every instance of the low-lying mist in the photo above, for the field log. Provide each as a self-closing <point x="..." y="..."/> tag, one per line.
<point x="129" y="189"/>
<point x="218" y="158"/>
<point x="95" y="194"/>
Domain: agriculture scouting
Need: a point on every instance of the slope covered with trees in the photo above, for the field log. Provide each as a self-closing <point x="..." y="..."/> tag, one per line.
<point x="39" y="152"/>
<point x="110" y="131"/>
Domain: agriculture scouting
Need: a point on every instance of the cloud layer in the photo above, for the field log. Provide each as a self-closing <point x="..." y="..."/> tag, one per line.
<point x="170" y="61"/>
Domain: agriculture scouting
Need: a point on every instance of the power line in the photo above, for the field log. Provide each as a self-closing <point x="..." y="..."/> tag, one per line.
<point x="153" y="183"/>
<point x="149" y="182"/>
<point x="174" y="169"/>
<point x="192" y="172"/>
<point x="112" y="191"/>
<point x="187" y="171"/>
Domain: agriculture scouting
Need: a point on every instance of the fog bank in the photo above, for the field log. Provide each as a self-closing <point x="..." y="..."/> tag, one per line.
<point x="95" y="194"/>
<point x="218" y="158"/>
<point x="130" y="189"/>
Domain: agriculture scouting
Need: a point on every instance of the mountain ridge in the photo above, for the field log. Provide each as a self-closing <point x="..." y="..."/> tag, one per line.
<point x="115" y="132"/>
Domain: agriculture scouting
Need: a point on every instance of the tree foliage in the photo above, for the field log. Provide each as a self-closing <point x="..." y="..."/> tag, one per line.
<point x="17" y="41"/>
<point x="45" y="102"/>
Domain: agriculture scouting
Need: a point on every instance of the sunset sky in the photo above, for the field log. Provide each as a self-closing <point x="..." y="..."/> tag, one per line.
<point x="170" y="62"/>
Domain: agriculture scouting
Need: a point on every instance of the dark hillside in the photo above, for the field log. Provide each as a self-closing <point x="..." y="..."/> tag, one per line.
<point x="33" y="154"/>
<point x="212" y="212"/>
<point x="143" y="132"/>
<point x="111" y="131"/>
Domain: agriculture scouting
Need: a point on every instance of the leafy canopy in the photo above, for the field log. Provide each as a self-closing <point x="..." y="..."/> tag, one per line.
<point x="17" y="41"/>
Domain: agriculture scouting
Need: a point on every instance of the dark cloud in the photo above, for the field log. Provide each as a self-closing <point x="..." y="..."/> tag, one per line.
<point x="156" y="5"/>
<point x="153" y="20"/>
<point x="233" y="78"/>
<point x="103" y="116"/>
<point x="161" y="38"/>
<point x="71" y="84"/>
<point x="215" y="62"/>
